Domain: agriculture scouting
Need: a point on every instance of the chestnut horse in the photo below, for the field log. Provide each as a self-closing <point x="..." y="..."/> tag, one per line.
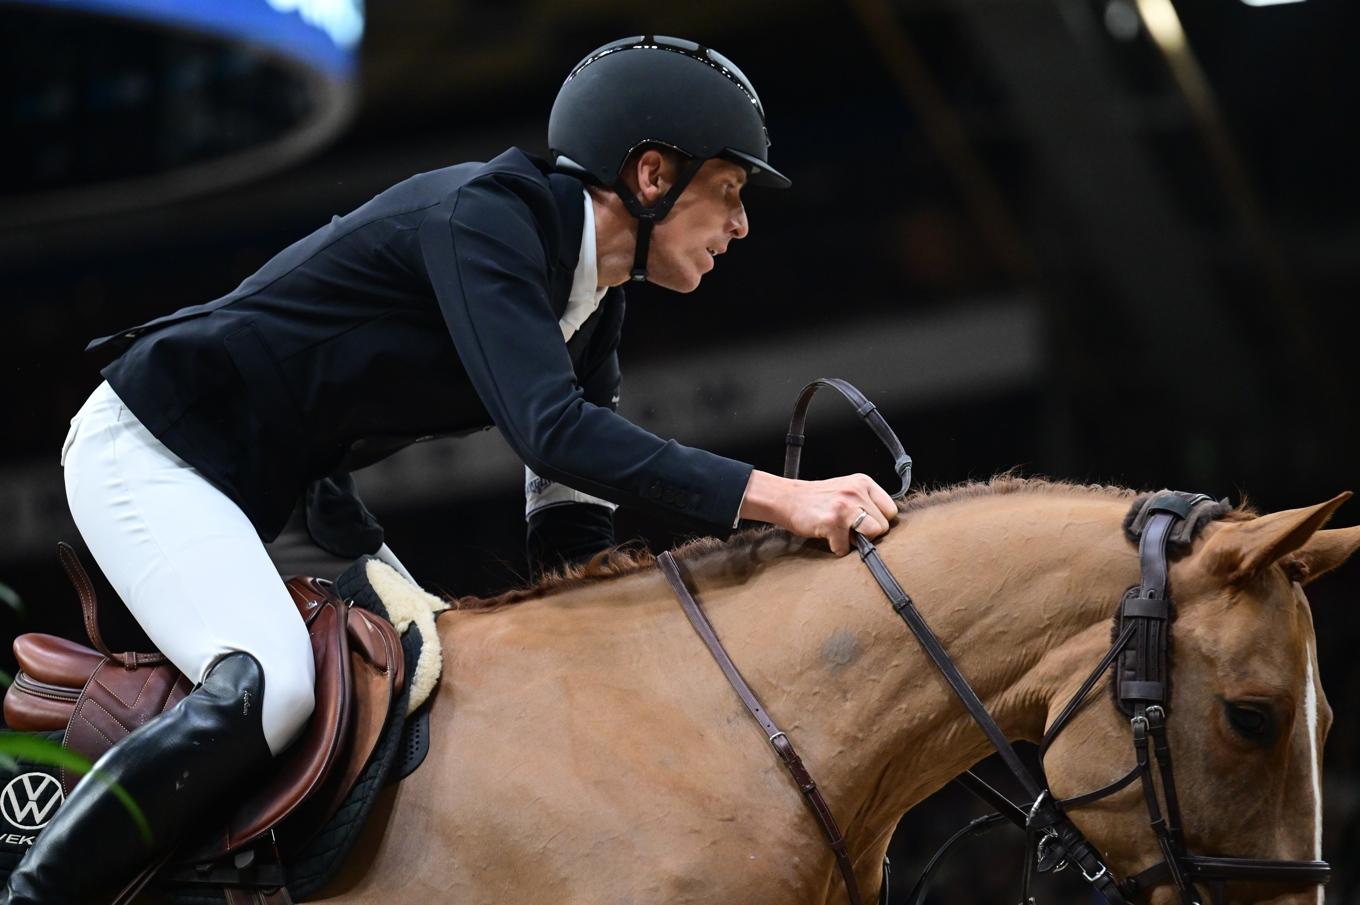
<point x="586" y="747"/>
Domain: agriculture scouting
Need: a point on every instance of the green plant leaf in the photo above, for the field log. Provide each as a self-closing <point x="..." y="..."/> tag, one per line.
<point x="10" y="599"/>
<point x="41" y="751"/>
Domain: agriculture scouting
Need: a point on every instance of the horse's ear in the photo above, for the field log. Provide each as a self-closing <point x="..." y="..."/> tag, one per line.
<point x="1243" y="549"/>
<point x="1326" y="550"/>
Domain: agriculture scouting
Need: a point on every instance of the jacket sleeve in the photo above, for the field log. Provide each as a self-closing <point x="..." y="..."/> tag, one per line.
<point x="488" y="260"/>
<point x="563" y="527"/>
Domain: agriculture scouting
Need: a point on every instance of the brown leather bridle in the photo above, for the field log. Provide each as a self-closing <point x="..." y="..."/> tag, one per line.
<point x="1143" y="627"/>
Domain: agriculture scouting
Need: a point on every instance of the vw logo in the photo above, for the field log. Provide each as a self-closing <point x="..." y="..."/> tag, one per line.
<point x="30" y="799"/>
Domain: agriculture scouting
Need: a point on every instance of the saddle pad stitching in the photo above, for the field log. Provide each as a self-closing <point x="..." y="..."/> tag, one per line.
<point x="151" y="674"/>
<point x="126" y="728"/>
<point x="71" y="724"/>
<point x="165" y="705"/>
<point x="87" y="722"/>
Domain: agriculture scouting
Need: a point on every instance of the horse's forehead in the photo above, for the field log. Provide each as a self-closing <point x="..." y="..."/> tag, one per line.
<point x="1263" y="628"/>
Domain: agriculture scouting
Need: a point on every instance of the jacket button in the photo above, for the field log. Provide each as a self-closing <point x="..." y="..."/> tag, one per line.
<point x="654" y="491"/>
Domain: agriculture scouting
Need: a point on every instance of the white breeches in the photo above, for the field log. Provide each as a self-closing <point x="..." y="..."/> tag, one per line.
<point x="185" y="559"/>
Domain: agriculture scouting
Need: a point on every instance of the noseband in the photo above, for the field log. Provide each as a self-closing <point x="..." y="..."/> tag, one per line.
<point x="1143" y="622"/>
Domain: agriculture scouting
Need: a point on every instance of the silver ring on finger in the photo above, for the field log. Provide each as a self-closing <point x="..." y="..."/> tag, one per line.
<point x="859" y="520"/>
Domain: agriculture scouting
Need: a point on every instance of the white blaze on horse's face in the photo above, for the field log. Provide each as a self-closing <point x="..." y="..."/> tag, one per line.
<point x="1314" y="758"/>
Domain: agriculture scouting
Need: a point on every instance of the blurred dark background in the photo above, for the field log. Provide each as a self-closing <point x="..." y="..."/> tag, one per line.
<point x="1101" y="240"/>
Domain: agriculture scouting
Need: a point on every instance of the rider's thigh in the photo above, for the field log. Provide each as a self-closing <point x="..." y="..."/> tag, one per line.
<point x="186" y="560"/>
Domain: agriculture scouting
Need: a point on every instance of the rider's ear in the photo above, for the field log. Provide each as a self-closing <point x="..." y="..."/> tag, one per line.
<point x="1241" y="550"/>
<point x="653" y="172"/>
<point x="1325" y="551"/>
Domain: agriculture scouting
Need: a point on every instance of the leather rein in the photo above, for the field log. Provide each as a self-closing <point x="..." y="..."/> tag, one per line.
<point x="1140" y="655"/>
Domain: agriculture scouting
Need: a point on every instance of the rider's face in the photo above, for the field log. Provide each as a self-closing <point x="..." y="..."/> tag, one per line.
<point x="704" y="221"/>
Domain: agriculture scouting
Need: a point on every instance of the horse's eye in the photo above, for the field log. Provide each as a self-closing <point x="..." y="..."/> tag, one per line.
<point x="1252" y="721"/>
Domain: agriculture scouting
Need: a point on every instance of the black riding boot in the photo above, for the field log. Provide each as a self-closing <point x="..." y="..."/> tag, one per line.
<point x="176" y="768"/>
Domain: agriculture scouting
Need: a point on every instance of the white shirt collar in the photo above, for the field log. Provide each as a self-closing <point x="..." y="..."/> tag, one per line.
<point x="585" y="296"/>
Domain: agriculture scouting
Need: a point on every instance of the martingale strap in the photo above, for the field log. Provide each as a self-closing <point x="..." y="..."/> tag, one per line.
<point x="778" y="740"/>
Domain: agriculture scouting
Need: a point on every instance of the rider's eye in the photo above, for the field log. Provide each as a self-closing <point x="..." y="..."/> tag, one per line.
<point x="1251" y="721"/>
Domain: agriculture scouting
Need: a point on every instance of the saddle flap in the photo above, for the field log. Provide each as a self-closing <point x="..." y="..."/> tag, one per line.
<point x="116" y="701"/>
<point x="308" y="760"/>
<point x="376" y="671"/>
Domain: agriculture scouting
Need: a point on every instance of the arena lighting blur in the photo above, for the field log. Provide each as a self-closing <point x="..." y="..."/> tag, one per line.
<point x="1121" y="20"/>
<point x="119" y="104"/>
<point x="1161" y="21"/>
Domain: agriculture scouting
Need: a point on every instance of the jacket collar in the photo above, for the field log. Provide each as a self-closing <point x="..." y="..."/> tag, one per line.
<point x="566" y="191"/>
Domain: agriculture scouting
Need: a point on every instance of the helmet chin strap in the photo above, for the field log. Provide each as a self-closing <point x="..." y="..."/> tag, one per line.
<point x="647" y="217"/>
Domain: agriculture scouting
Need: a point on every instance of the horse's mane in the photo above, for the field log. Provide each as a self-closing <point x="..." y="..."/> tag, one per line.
<point x="743" y="552"/>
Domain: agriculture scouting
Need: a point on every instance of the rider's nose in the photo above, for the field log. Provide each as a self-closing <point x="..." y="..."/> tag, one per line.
<point x="738" y="225"/>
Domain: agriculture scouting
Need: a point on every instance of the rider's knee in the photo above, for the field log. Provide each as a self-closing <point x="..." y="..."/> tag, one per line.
<point x="289" y="699"/>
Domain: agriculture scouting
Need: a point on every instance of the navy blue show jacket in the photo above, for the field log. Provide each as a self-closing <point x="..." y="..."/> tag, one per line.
<point x="430" y="310"/>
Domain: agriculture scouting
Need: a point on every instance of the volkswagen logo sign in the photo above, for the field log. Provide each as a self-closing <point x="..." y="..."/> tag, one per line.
<point x="30" y="800"/>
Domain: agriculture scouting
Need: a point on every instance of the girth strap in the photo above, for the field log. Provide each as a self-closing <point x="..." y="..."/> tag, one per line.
<point x="834" y="838"/>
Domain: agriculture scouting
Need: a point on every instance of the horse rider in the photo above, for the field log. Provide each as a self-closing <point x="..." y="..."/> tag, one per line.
<point x="475" y="295"/>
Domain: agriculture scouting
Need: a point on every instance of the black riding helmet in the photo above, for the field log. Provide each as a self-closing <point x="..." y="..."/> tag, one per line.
<point x="654" y="90"/>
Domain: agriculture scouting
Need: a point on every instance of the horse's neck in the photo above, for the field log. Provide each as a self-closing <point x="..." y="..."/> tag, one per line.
<point x="1018" y="588"/>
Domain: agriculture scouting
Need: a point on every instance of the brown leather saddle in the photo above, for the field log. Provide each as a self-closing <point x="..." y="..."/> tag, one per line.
<point x="97" y="697"/>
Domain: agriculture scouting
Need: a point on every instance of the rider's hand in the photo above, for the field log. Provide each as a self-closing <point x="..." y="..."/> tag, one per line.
<point x="824" y="509"/>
